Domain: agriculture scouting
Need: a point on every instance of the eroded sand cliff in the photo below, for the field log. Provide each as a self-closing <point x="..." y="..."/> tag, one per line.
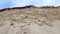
<point x="30" y="20"/>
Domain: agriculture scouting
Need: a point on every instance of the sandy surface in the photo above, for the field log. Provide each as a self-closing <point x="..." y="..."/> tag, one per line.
<point x="30" y="21"/>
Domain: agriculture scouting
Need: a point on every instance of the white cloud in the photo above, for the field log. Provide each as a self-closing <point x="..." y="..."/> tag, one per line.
<point x="37" y="2"/>
<point x="26" y="2"/>
<point x="20" y="2"/>
<point x="48" y="2"/>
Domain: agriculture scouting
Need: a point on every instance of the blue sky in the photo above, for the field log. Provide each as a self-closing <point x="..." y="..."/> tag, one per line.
<point x="19" y="3"/>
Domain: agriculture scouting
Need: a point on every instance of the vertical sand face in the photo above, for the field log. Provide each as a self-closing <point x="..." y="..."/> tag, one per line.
<point x="30" y="21"/>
